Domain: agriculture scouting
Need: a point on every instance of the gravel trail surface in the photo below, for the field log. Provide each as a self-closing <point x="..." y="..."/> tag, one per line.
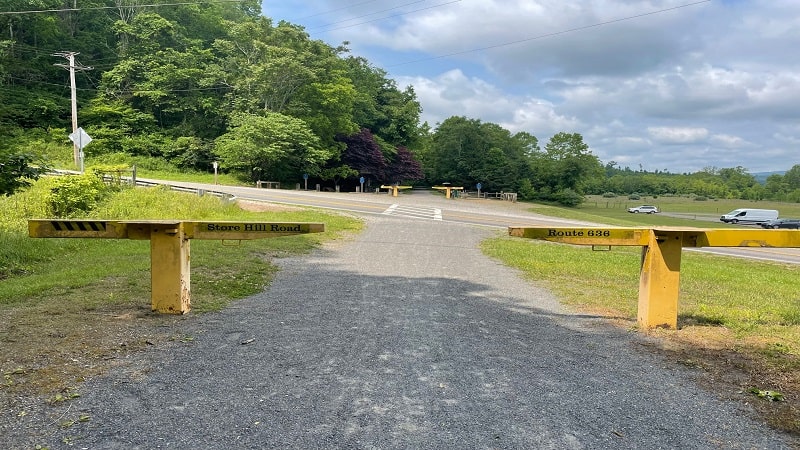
<point x="405" y="337"/>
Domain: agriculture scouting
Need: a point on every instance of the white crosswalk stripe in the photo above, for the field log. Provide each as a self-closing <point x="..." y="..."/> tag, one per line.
<point x="411" y="211"/>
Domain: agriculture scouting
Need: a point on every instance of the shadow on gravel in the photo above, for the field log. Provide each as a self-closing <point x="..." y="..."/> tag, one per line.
<point x="346" y="360"/>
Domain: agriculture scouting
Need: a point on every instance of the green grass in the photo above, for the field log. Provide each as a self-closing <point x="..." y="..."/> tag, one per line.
<point x="754" y="299"/>
<point x="751" y="298"/>
<point x="35" y="269"/>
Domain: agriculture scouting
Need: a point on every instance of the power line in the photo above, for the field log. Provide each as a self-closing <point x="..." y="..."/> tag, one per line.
<point x="94" y="8"/>
<point x="337" y="9"/>
<point x="397" y="15"/>
<point x="556" y="33"/>
<point x="365" y="15"/>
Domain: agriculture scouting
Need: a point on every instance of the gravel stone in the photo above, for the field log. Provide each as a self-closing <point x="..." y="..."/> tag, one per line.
<point x="405" y="337"/>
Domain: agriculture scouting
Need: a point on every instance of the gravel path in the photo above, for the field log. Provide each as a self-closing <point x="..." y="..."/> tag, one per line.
<point x="406" y="337"/>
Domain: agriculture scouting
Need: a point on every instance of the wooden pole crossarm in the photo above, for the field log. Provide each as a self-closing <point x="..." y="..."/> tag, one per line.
<point x="659" y="278"/>
<point x="169" y="246"/>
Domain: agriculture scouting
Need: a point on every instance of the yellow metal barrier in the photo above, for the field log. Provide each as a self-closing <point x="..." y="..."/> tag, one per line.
<point x="395" y="188"/>
<point x="659" y="279"/>
<point x="169" y="246"/>
<point x="448" y="190"/>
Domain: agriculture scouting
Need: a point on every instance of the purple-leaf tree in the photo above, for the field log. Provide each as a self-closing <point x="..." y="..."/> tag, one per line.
<point x="404" y="167"/>
<point x="363" y="154"/>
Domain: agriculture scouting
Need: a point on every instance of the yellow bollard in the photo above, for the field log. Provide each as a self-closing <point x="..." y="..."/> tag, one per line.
<point x="448" y="190"/>
<point x="395" y="189"/>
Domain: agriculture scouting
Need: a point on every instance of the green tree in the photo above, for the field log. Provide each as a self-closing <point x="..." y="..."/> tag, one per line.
<point x="467" y="151"/>
<point x="17" y="170"/>
<point x="792" y="177"/>
<point x="737" y="179"/>
<point x="270" y="147"/>
<point x="380" y="106"/>
<point x="572" y="162"/>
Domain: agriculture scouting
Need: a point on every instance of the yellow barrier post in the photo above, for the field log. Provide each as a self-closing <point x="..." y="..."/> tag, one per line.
<point x="448" y="190"/>
<point x="170" y="275"/>
<point x="659" y="278"/>
<point x="394" y="189"/>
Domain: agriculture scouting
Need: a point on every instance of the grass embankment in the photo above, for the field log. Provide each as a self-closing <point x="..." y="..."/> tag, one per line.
<point x="739" y="319"/>
<point x="70" y="307"/>
<point x="146" y="167"/>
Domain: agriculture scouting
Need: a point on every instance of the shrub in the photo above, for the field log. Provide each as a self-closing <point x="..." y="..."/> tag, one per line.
<point x="634" y="197"/>
<point x="568" y="197"/>
<point x="77" y="194"/>
<point x="609" y="195"/>
<point x="700" y="198"/>
<point x="526" y="191"/>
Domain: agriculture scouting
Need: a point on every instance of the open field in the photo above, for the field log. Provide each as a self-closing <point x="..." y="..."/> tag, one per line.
<point x="675" y="211"/>
<point x="687" y="206"/>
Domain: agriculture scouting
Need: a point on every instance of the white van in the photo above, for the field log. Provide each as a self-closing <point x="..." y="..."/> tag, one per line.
<point x="747" y="215"/>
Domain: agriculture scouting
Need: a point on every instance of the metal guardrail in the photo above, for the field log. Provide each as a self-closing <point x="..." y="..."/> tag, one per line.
<point x="142" y="183"/>
<point x="200" y="192"/>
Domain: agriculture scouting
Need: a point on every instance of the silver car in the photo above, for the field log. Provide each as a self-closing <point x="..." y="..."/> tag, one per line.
<point x="645" y="209"/>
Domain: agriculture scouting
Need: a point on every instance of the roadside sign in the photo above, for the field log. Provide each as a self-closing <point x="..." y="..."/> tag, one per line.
<point x="80" y="138"/>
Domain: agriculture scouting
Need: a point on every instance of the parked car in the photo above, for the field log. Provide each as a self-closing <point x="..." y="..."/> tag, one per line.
<point x="793" y="224"/>
<point x="646" y="209"/>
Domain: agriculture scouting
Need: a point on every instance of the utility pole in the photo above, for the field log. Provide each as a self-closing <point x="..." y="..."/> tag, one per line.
<point x="70" y="56"/>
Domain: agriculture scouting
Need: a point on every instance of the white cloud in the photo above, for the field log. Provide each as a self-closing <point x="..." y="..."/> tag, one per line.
<point x="791" y="140"/>
<point x="677" y="135"/>
<point x="728" y="141"/>
<point x="453" y="94"/>
<point x="714" y="84"/>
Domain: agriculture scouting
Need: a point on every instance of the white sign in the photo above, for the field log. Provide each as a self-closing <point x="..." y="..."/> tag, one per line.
<point x="80" y="138"/>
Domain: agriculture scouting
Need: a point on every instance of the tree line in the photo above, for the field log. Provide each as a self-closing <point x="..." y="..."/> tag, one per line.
<point x="162" y="84"/>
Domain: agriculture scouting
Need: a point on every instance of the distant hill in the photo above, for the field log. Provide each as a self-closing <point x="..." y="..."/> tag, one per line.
<point x="761" y="177"/>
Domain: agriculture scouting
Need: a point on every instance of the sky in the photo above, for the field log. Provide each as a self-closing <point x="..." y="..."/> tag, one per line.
<point x="669" y="85"/>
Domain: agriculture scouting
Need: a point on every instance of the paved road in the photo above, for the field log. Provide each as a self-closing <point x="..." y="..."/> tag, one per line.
<point x="493" y="213"/>
<point x="405" y="337"/>
<point x="417" y="204"/>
